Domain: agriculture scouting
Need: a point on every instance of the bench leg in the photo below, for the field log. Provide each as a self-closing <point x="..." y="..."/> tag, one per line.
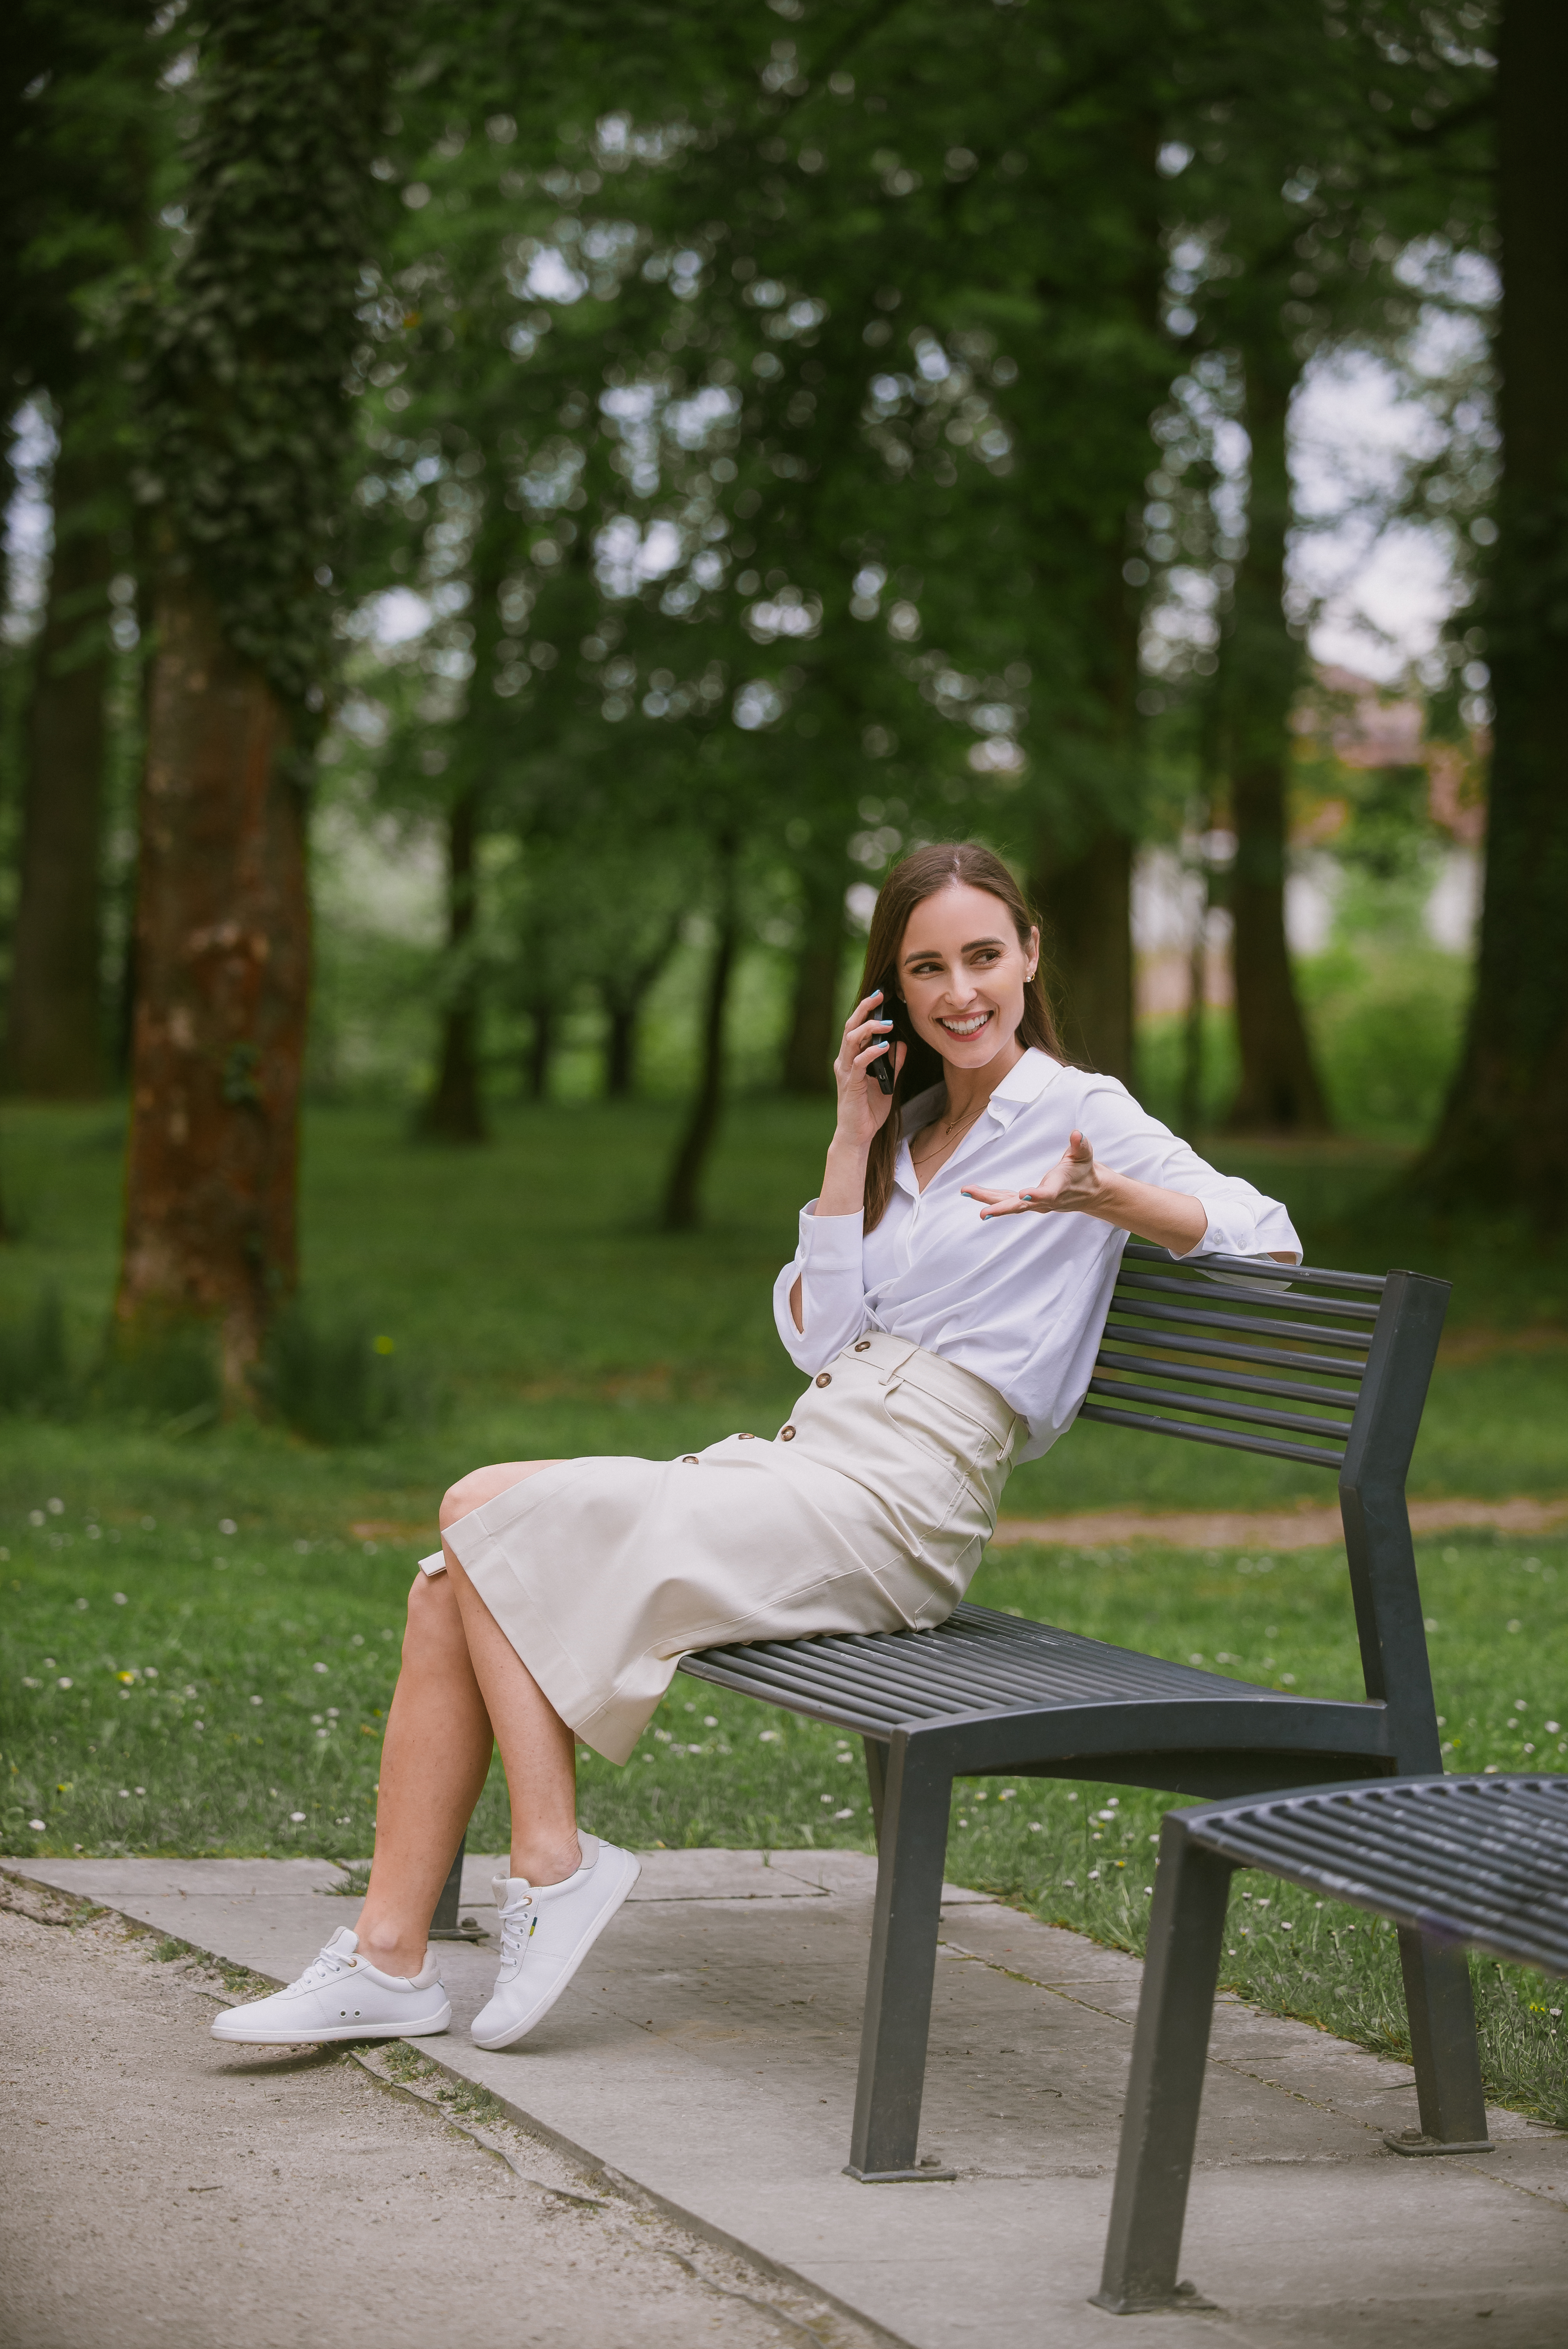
<point x="912" y="1846"/>
<point x="444" y="1926"/>
<point x="876" y="1779"/>
<point x="1165" y="2086"/>
<point x="1443" y="2048"/>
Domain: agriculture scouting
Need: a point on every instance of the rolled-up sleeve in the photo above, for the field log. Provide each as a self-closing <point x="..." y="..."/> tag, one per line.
<point x="1242" y="1220"/>
<point x="827" y="1263"/>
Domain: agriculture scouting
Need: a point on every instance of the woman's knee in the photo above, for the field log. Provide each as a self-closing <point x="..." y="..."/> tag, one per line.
<point x="482" y="1485"/>
<point x="435" y="1622"/>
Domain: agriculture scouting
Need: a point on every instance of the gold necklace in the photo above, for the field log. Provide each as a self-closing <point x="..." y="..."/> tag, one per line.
<point x="952" y="1133"/>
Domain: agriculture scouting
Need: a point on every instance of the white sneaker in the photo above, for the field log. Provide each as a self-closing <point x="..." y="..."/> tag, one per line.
<point x="342" y="1996"/>
<point x="546" y="1931"/>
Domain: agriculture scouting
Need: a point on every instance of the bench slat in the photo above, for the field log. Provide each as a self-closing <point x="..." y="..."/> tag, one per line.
<point x="1347" y="1306"/>
<point x="978" y="1661"/>
<point x="1248" y="1382"/>
<point x="1260" y="1269"/>
<point x="1225" y="1350"/>
<point x="1483" y="1859"/>
<point x="1196" y="1317"/>
<point x="1155" y="1425"/>
<point x="1256" y="1415"/>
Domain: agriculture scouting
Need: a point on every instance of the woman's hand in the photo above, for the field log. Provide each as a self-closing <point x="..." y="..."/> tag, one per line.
<point x="862" y="1112"/>
<point x="1077" y="1184"/>
<point x="863" y="1105"/>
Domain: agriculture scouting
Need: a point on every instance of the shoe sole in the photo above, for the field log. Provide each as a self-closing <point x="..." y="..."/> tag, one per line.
<point x="522" y="2029"/>
<point x="337" y="2031"/>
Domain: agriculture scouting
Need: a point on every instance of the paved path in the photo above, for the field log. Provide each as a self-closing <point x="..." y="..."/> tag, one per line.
<point x="1297" y="1529"/>
<point x="162" y="2192"/>
<point x="707" y="2053"/>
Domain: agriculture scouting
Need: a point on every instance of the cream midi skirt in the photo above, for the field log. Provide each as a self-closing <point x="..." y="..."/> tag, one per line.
<point x="868" y="1512"/>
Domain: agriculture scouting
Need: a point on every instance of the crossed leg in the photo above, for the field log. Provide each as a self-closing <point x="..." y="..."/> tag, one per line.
<point x="462" y="1688"/>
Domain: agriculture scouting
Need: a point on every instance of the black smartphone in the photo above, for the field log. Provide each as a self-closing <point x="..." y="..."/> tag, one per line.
<point x="883" y="1067"/>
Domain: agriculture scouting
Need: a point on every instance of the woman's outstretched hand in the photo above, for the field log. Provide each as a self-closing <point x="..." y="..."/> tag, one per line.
<point x="863" y="1105"/>
<point x="1075" y="1186"/>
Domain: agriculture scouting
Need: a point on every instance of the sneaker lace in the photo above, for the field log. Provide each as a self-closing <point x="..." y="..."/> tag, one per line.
<point x="516" y="1924"/>
<point x="324" y="1969"/>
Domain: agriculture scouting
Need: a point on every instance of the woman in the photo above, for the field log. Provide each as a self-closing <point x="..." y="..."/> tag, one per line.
<point x="947" y="1299"/>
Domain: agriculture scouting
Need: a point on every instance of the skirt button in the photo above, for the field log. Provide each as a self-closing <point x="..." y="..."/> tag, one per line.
<point x="747" y="1438"/>
<point x="862" y="1345"/>
<point x="689" y="1461"/>
<point x="824" y="1378"/>
<point x="786" y="1435"/>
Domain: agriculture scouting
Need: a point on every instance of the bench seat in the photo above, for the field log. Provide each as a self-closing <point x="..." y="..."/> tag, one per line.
<point x="1474" y="1862"/>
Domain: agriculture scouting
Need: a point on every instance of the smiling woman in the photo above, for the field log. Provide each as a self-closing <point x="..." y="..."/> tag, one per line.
<point x="947" y="1331"/>
<point x="952" y="1000"/>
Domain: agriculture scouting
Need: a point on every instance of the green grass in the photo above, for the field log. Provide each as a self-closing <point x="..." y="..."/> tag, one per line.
<point x="169" y="1691"/>
<point x="525" y="1283"/>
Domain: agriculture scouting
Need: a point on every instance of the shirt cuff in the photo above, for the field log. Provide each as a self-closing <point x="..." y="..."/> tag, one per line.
<point x="1234" y="1230"/>
<point x="831" y="1243"/>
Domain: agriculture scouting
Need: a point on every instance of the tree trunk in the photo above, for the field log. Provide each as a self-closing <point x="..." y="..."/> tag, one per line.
<point x="54" y="1039"/>
<point x="1190" y="1105"/>
<point x="682" y="1204"/>
<point x="454" y="1112"/>
<point x="1084" y="901"/>
<point x="813" y="1019"/>
<point x="1279" y="1090"/>
<point x="1503" y="1139"/>
<point x="623" y="996"/>
<point x="223" y="967"/>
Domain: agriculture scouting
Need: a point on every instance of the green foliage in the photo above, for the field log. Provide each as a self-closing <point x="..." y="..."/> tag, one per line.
<point x="168" y="1379"/>
<point x="250" y="349"/>
<point x="34" y="1373"/>
<point x="336" y="1386"/>
<point x="1388" y="1021"/>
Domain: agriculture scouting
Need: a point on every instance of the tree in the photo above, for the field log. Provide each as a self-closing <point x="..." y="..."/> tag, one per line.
<point x="1279" y="1089"/>
<point x="455" y="1111"/>
<point x="812" y="1037"/>
<point x="682" y="1207"/>
<point x="1324" y="148"/>
<point x="1502" y="1141"/>
<point x="54" y="1022"/>
<point x="81" y="140"/>
<point x="249" y="420"/>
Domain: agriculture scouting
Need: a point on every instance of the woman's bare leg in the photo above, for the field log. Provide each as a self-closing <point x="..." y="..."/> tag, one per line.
<point x="434" y="1758"/>
<point x="437" y="1751"/>
<point x="538" y="1752"/>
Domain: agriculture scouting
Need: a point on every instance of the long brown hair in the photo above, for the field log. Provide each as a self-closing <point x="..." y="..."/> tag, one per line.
<point x="912" y="881"/>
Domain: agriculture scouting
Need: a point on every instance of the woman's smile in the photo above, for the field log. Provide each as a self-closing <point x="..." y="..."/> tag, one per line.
<point x="962" y="1025"/>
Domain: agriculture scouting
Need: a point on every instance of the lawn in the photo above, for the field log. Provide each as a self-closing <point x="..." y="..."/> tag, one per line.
<point x="201" y="1633"/>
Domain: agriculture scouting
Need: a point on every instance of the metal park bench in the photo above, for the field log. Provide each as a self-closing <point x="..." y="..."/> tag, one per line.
<point x="1471" y="1862"/>
<point x="1326" y="1368"/>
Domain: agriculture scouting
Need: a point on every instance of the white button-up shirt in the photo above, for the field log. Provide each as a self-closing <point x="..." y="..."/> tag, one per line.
<point x="1020" y="1300"/>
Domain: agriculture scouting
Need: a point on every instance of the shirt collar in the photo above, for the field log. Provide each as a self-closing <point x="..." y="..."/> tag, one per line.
<point x="1023" y="1085"/>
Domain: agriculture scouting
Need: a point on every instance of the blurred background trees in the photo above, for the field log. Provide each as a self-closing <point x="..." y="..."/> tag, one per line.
<point x="631" y="473"/>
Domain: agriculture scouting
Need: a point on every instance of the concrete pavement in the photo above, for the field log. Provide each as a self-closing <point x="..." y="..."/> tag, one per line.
<point x="707" y="2053"/>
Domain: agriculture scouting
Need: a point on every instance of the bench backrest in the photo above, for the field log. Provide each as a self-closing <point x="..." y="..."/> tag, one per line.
<point x="1330" y="1369"/>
